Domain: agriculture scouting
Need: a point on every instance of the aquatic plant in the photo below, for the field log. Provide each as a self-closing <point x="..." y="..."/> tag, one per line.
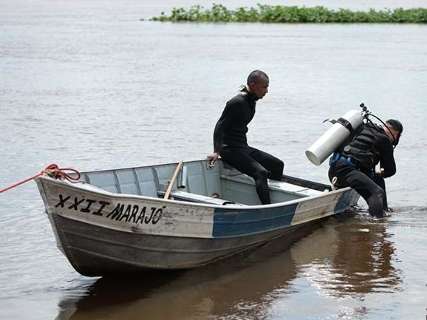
<point x="293" y="14"/>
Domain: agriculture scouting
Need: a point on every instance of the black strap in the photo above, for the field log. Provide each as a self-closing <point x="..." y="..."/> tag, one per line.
<point x="346" y="125"/>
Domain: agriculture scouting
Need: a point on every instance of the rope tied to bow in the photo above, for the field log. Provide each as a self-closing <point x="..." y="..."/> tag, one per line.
<point x="53" y="171"/>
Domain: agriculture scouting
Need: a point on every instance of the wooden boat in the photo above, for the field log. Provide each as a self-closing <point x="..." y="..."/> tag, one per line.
<point x="119" y="220"/>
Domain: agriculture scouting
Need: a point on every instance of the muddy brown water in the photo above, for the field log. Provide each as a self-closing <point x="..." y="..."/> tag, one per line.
<point x="87" y="84"/>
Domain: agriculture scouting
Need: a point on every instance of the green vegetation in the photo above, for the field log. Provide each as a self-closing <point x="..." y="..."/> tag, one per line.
<point x="284" y="14"/>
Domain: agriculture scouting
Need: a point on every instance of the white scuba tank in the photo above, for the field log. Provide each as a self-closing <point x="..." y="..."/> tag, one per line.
<point x="334" y="137"/>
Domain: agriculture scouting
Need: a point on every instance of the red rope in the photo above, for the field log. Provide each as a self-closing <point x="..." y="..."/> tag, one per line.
<point x="53" y="171"/>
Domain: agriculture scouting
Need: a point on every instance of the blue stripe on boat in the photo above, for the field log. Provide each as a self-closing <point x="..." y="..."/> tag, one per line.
<point x="228" y="222"/>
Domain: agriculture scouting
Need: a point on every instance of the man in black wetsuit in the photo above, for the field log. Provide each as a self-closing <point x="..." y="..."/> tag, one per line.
<point x="354" y="165"/>
<point x="230" y="137"/>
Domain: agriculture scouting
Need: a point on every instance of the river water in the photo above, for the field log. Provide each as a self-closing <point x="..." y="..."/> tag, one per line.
<point x="87" y="84"/>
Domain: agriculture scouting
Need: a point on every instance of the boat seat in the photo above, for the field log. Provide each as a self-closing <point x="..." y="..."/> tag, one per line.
<point x="193" y="197"/>
<point x="291" y="188"/>
<point x="275" y="185"/>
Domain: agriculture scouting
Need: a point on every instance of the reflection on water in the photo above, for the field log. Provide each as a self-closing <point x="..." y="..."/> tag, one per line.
<point x="88" y="85"/>
<point x="362" y="262"/>
<point x="243" y="286"/>
<point x="352" y="256"/>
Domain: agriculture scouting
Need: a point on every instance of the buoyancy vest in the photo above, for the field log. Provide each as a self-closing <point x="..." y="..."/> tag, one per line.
<point x="364" y="148"/>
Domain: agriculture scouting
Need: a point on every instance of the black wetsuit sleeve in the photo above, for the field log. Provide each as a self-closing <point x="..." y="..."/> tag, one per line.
<point x="387" y="158"/>
<point x="224" y="123"/>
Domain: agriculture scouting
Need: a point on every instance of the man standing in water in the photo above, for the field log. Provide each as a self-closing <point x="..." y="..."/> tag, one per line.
<point x="354" y="165"/>
<point x="230" y="137"/>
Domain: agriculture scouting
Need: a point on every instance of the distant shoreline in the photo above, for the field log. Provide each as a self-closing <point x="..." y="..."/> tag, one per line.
<point x="292" y="14"/>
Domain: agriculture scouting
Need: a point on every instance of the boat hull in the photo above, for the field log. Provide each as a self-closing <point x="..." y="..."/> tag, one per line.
<point x="115" y="252"/>
<point x="101" y="232"/>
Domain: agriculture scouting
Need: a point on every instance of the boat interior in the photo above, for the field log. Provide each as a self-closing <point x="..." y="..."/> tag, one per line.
<point x="197" y="182"/>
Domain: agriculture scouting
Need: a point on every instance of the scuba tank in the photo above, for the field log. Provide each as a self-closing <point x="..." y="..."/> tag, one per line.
<point x="341" y="130"/>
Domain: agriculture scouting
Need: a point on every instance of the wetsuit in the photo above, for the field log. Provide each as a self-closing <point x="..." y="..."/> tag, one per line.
<point x="354" y="166"/>
<point x="231" y="143"/>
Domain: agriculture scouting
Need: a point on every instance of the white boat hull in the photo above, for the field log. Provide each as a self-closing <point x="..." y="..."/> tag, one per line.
<point x="103" y="232"/>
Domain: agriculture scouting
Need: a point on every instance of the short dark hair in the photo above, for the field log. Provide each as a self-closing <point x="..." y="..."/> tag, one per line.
<point x="255" y="76"/>
<point x="396" y="125"/>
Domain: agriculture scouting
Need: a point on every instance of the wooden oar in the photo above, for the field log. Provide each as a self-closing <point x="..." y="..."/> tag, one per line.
<point x="172" y="181"/>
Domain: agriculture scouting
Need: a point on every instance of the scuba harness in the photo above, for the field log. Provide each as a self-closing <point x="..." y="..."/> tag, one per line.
<point x="343" y="131"/>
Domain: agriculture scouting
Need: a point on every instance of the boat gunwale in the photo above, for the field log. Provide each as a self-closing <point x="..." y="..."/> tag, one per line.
<point x="236" y="207"/>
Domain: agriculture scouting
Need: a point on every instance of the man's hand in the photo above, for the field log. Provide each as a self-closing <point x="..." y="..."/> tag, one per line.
<point x="212" y="158"/>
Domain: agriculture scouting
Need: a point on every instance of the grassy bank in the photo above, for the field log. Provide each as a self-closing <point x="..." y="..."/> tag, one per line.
<point x="284" y="14"/>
